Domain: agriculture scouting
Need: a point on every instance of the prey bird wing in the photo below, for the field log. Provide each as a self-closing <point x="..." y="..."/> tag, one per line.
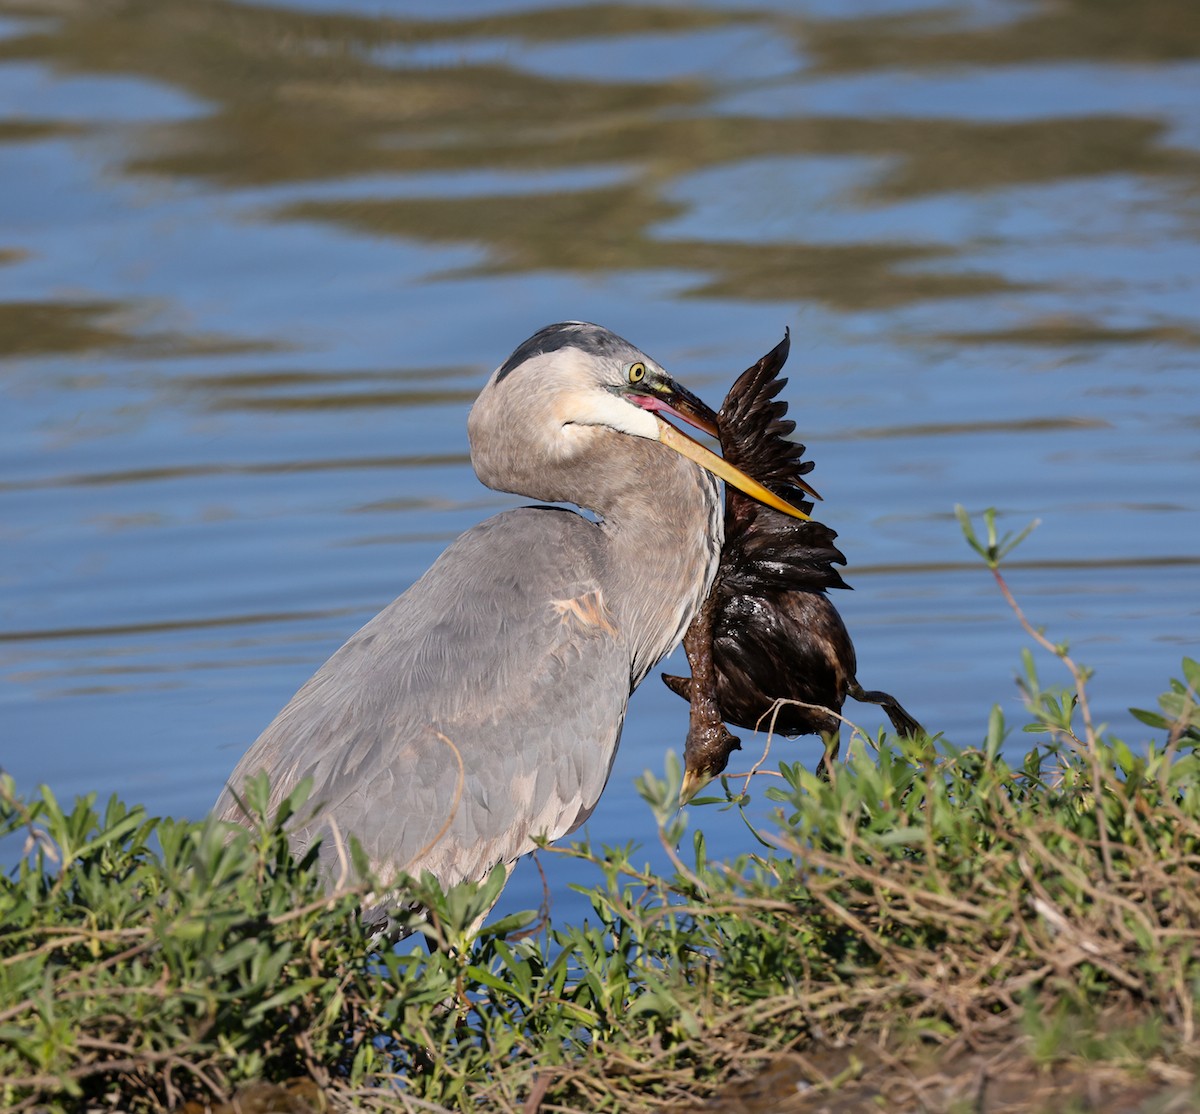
<point x="764" y="548"/>
<point x="753" y="429"/>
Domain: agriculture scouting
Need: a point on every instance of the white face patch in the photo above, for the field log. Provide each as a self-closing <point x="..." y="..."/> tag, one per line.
<point x="596" y="406"/>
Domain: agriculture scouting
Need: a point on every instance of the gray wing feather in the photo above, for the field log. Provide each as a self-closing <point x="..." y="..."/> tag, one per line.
<point x="466" y="718"/>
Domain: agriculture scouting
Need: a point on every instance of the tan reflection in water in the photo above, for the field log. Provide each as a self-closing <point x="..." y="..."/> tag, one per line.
<point x="41" y="328"/>
<point x="303" y="97"/>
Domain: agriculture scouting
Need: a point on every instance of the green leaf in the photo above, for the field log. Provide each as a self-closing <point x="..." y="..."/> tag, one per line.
<point x="1151" y="719"/>
<point x="289" y="993"/>
<point x="901" y="836"/>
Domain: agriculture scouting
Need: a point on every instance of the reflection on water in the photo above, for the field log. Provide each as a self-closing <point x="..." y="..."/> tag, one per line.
<point x="256" y="260"/>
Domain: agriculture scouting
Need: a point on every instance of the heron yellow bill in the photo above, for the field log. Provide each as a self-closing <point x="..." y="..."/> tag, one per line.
<point x="694" y="451"/>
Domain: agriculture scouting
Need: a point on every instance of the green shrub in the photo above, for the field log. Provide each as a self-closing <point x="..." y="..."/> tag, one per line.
<point x="926" y="893"/>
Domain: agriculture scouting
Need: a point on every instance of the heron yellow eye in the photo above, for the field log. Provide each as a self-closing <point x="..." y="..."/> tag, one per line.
<point x="637" y="372"/>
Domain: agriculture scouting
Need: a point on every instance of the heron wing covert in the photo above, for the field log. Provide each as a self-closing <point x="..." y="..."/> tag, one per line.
<point x="487" y="715"/>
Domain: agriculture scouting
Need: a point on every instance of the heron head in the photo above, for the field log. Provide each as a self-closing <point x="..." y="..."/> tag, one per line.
<point x="555" y="402"/>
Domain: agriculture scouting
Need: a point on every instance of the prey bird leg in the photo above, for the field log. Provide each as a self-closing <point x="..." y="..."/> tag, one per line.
<point x="903" y="723"/>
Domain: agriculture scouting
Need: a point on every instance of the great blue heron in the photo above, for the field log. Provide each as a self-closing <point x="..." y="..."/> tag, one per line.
<point x="482" y="709"/>
<point x="768" y="631"/>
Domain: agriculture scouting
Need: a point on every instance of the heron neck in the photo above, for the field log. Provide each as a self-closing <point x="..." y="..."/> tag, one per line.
<point x="665" y="535"/>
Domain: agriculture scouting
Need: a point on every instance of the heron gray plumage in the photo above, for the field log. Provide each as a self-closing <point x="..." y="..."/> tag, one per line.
<point x="482" y="709"/>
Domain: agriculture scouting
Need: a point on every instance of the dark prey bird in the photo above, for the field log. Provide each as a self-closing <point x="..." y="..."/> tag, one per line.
<point x="768" y="631"/>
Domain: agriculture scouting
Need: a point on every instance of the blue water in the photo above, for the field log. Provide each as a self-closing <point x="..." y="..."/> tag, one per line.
<point x="247" y="293"/>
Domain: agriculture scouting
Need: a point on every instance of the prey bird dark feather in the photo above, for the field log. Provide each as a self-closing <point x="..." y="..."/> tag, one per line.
<point x="768" y="631"/>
